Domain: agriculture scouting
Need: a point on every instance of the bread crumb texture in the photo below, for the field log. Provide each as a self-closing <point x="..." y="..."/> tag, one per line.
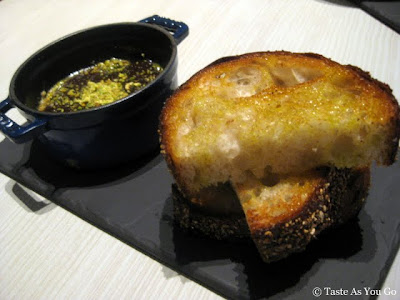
<point x="276" y="112"/>
<point x="269" y="203"/>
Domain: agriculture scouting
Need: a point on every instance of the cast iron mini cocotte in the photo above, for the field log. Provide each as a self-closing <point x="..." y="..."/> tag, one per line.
<point x="111" y="134"/>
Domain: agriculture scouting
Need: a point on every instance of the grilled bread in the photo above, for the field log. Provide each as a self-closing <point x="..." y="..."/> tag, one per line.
<point x="276" y="112"/>
<point x="276" y="146"/>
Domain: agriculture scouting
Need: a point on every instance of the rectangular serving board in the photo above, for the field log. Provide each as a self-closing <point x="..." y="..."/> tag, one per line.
<point x="133" y="203"/>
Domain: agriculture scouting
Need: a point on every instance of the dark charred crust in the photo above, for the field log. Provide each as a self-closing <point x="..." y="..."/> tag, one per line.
<point x="195" y="220"/>
<point x="335" y="201"/>
<point x="313" y="55"/>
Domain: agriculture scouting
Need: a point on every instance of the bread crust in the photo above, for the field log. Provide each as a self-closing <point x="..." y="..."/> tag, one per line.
<point x="195" y="219"/>
<point x="337" y="199"/>
<point x="392" y="151"/>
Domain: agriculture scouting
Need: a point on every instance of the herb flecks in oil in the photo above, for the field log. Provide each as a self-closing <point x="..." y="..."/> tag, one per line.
<point x="101" y="84"/>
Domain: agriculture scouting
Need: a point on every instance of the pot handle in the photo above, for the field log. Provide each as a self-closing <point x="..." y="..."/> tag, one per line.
<point x="19" y="134"/>
<point x="179" y="30"/>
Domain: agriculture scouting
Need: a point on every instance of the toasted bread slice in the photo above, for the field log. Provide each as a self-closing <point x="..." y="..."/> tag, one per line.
<point x="276" y="112"/>
<point x="281" y="215"/>
<point x="285" y="213"/>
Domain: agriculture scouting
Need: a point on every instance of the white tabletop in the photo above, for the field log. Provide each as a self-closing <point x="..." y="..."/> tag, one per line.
<point x="50" y="253"/>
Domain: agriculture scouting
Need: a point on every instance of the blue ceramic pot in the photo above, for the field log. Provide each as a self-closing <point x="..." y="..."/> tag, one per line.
<point x="111" y="134"/>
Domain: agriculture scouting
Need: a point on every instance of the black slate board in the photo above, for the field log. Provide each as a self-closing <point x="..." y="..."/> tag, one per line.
<point x="388" y="12"/>
<point x="133" y="203"/>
